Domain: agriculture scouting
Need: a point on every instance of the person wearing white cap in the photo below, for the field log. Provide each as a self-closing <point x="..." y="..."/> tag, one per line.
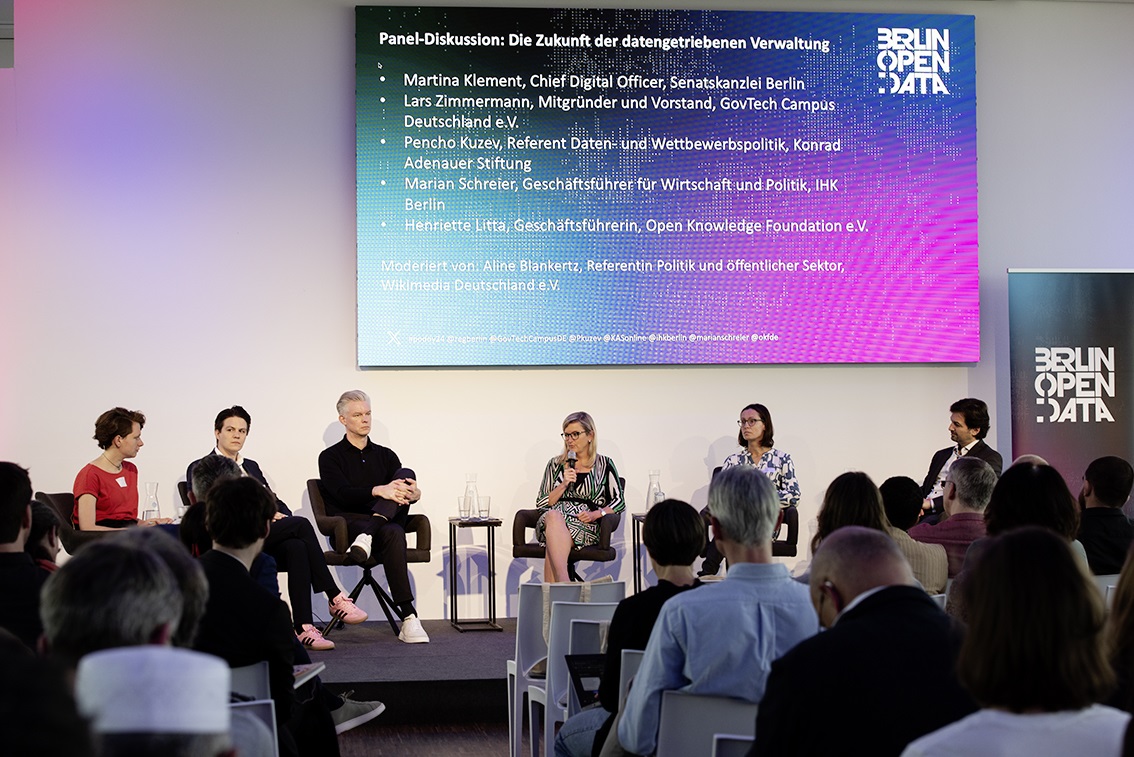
<point x="156" y="700"/>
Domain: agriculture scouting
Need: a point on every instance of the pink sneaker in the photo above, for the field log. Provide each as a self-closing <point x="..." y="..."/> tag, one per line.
<point x="344" y="608"/>
<point x="312" y="638"/>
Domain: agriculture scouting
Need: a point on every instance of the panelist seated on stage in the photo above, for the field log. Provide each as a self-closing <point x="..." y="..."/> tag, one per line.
<point x="756" y="437"/>
<point x="291" y="543"/>
<point x="968" y="425"/>
<point x="578" y="489"/>
<point x="106" y="489"/>
<point x="365" y="484"/>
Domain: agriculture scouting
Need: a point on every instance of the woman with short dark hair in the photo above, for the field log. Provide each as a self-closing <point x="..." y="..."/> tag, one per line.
<point x="1034" y="656"/>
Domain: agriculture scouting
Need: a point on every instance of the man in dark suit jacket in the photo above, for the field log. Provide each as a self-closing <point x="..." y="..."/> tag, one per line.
<point x="881" y="676"/>
<point x="968" y="425"/>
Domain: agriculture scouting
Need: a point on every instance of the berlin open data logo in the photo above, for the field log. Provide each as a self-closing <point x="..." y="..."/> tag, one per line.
<point x="913" y="61"/>
<point x="1073" y="384"/>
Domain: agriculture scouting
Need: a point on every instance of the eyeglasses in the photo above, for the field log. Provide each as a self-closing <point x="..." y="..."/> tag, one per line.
<point x="573" y="435"/>
<point x="743" y="422"/>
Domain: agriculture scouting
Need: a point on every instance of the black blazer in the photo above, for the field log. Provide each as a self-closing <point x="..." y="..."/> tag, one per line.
<point x="252" y="469"/>
<point x="980" y="450"/>
<point x="880" y="678"/>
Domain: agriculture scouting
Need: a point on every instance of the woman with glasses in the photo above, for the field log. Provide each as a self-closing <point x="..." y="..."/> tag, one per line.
<point x="579" y="488"/>
<point x="755" y="440"/>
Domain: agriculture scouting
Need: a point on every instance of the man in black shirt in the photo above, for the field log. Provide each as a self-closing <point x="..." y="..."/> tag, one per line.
<point x="366" y="484"/>
<point x="1104" y="531"/>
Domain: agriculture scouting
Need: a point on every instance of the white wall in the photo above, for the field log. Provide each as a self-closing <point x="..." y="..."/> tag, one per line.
<point x="177" y="235"/>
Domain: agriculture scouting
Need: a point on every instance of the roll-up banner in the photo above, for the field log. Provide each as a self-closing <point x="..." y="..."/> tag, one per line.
<point x="1072" y="356"/>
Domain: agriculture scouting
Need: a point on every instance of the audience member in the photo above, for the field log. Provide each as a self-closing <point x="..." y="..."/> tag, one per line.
<point x="968" y="425"/>
<point x="1104" y="531"/>
<point x="1033" y="656"/>
<point x="901" y="499"/>
<point x="1120" y="635"/>
<point x="1028" y="494"/>
<point x="674" y="535"/>
<point x="110" y="594"/>
<point x="156" y="700"/>
<point x="852" y="499"/>
<point x="889" y="649"/>
<point x="43" y="538"/>
<point x="722" y="638"/>
<point x="38" y="711"/>
<point x="365" y="484"/>
<point x="291" y="541"/>
<point x="244" y="624"/>
<point x="20" y="578"/>
<point x="968" y="488"/>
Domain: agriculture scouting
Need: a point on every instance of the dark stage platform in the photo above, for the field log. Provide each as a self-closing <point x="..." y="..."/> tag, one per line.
<point x="456" y="678"/>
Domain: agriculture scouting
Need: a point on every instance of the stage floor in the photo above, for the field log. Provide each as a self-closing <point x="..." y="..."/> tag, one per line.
<point x="456" y="678"/>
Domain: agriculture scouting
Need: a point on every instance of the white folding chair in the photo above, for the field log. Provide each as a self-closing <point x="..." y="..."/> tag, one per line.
<point x="254" y="728"/>
<point x="1106" y="584"/>
<point x="252" y="681"/>
<point x="587" y="637"/>
<point x="631" y="661"/>
<point x="551" y="697"/>
<point x="731" y="745"/>
<point x="689" y="721"/>
<point x="939" y="599"/>
<point x="530" y="649"/>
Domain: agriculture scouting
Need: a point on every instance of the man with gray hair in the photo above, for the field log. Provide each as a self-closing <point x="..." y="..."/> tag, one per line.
<point x="882" y="674"/>
<point x="721" y="639"/>
<point x="110" y="594"/>
<point x="366" y="485"/>
<point x="964" y="495"/>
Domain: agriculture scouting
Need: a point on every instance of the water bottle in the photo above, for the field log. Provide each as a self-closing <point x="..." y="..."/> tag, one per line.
<point x="654" y="493"/>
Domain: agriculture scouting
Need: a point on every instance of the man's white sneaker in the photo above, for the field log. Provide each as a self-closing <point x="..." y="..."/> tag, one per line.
<point x="412" y="632"/>
<point x="360" y="548"/>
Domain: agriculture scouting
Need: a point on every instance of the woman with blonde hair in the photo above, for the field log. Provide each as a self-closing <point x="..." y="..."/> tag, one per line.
<point x="578" y="489"/>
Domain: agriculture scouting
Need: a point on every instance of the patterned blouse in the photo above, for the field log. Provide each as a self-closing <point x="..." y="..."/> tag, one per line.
<point x="777" y="466"/>
<point x="598" y="487"/>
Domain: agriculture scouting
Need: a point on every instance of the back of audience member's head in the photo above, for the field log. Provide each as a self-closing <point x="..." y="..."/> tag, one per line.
<point x="853" y="560"/>
<point x="974" y="480"/>
<point x="1036" y="622"/>
<point x="852" y="499"/>
<point x="35" y="698"/>
<point x="237" y="512"/>
<point x="1120" y="632"/>
<point x="43" y="538"/>
<point x="188" y="572"/>
<point x="110" y="594"/>
<point x="156" y="701"/>
<point x="210" y="469"/>
<point x="1032" y="495"/>
<point x="1111" y="479"/>
<point x="674" y="533"/>
<point x="902" y="500"/>
<point x="15" y="495"/>
<point x="744" y="503"/>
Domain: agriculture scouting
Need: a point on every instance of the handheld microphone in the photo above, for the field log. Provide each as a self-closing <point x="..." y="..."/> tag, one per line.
<point x="571" y="457"/>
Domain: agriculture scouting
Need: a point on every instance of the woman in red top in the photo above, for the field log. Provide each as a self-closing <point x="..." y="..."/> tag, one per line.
<point x="106" y="489"/>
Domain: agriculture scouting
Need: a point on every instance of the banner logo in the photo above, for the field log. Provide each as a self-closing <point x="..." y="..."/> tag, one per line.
<point x="911" y="61"/>
<point x="1073" y="383"/>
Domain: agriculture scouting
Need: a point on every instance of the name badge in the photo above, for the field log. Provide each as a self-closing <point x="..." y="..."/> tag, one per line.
<point x="121" y="481"/>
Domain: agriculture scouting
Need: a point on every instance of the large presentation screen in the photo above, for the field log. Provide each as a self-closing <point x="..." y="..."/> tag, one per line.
<point x="630" y="187"/>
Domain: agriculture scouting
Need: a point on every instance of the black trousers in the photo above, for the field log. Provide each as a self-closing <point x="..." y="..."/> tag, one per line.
<point x="292" y="543"/>
<point x="388" y="546"/>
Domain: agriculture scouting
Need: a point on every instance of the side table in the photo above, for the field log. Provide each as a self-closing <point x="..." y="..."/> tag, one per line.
<point x="485" y="624"/>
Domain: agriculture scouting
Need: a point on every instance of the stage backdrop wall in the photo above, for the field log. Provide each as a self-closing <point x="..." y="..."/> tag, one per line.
<point x="177" y="235"/>
<point x="1072" y="354"/>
